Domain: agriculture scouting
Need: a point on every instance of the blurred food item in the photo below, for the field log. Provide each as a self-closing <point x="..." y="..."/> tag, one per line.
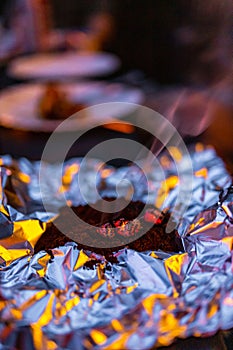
<point x="19" y="105"/>
<point x="96" y="37"/>
<point x="54" y="103"/>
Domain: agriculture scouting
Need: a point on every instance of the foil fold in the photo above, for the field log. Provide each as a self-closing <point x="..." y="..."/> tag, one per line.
<point x="53" y="301"/>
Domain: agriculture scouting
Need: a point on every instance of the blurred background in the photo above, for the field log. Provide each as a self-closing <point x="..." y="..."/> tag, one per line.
<point x="57" y="57"/>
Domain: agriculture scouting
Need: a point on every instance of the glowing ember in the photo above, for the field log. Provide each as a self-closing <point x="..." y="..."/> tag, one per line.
<point x="121" y="226"/>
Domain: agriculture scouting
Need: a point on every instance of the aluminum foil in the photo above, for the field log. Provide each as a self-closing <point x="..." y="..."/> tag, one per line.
<point x="146" y="299"/>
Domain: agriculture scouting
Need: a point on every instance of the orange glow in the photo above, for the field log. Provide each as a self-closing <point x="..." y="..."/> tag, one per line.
<point x="206" y="227"/>
<point x="165" y="188"/>
<point x="47" y="315"/>
<point x="228" y="241"/>
<point x="199" y="147"/>
<point x="175" y="153"/>
<point x="51" y="345"/>
<point x="125" y="128"/>
<point x="3" y="210"/>
<point x="31" y="301"/>
<point x="119" y="344"/>
<point x="149" y="302"/>
<point x="37" y="337"/>
<point x="24" y="178"/>
<point x="96" y="285"/>
<point x="203" y="172"/>
<point x="43" y="261"/>
<point x="40" y="341"/>
<point x="171" y="328"/>
<point x="3" y="304"/>
<point x="98" y="337"/>
<point x="5" y="254"/>
<point x="99" y="271"/>
<point x="153" y="255"/>
<point x="96" y="296"/>
<point x="67" y="177"/>
<point x="117" y="326"/>
<point x="226" y="209"/>
<point x="16" y="314"/>
<point x="175" y="262"/>
<point x="105" y="173"/>
<point x="131" y="288"/>
<point x="9" y="255"/>
<point x="165" y="162"/>
<point x="213" y="309"/>
<point x="172" y="181"/>
<point x="200" y="222"/>
<point x="82" y="259"/>
<point x="61" y="310"/>
<point x="28" y="230"/>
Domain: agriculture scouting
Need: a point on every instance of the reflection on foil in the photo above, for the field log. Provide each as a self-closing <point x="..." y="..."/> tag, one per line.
<point x="53" y="301"/>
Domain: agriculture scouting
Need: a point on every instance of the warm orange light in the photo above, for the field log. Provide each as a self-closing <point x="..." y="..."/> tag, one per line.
<point x="105" y="173"/>
<point x="43" y="261"/>
<point x="67" y="177"/>
<point x="149" y="302"/>
<point x="175" y="153"/>
<point x="119" y="343"/>
<point x="199" y="147"/>
<point x="175" y="262"/>
<point x="98" y="337"/>
<point x="165" y="162"/>
<point x="24" y="177"/>
<point x="125" y="128"/>
<point x="200" y="222"/>
<point x="131" y="288"/>
<point x="226" y="209"/>
<point x="165" y="188"/>
<point x="203" y="172"/>
<point x="96" y="285"/>
<point x="47" y="314"/>
<point x="211" y="225"/>
<point x="9" y="255"/>
<point x="154" y="255"/>
<point x="170" y="328"/>
<point x="82" y="259"/>
<point x="28" y="230"/>
<point x="63" y="309"/>
<point x="117" y="326"/>
<point x="228" y="241"/>
<point x="213" y="309"/>
<point x="5" y="254"/>
<point x="31" y="301"/>
<point x="96" y="296"/>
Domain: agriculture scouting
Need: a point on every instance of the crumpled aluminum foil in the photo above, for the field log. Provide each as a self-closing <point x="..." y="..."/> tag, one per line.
<point x="147" y="299"/>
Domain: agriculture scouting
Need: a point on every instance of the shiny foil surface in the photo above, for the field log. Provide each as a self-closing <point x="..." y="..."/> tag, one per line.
<point x="144" y="301"/>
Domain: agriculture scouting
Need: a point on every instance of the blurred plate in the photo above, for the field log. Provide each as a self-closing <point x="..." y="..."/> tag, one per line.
<point x="19" y="105"/>
<point x="64" y="65"/>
